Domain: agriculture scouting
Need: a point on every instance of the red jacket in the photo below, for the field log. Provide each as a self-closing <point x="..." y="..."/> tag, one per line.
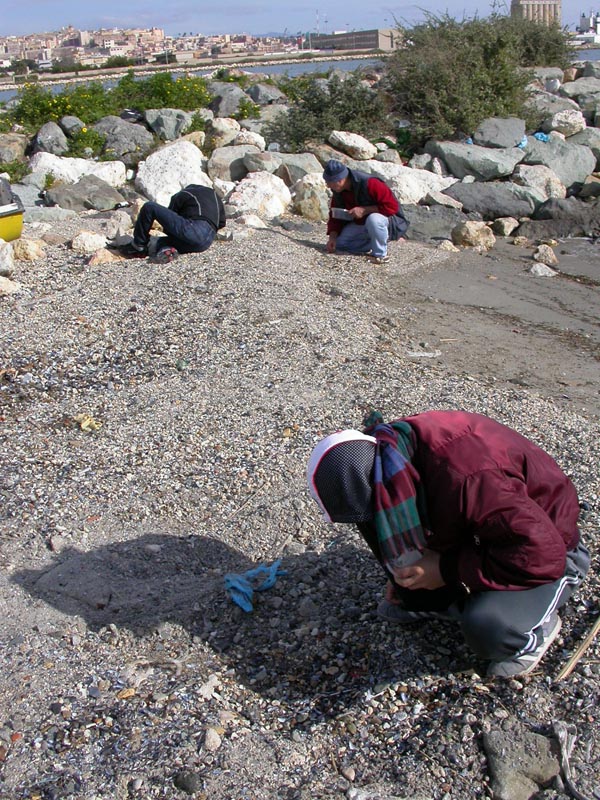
<point x="501" y="511"/>
<point x="379" y="194"/>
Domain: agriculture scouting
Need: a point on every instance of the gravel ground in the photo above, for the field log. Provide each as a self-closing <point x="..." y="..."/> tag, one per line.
<point x="126" y="672"/>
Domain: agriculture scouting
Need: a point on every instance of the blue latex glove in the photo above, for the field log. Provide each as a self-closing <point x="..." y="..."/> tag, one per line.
<point x="241" y="588"/>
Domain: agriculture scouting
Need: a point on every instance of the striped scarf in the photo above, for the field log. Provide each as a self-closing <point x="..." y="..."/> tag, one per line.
<point x="400" y="513"/>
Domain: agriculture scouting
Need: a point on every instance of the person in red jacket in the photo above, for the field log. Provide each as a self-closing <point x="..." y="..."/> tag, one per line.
<point x="470" y="520"/>
<point x="364" y="213"/>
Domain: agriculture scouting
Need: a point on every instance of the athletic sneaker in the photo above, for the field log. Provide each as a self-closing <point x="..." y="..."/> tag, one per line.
<point x="129" y="250"/>
<point x="394" y="612"/>
<point x="526" y="663"/>
<point x="165" y="256"/>
<point x="378" y="259"/>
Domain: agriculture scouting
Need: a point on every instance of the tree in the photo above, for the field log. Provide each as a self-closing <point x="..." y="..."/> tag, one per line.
<point x="452" y="74"/>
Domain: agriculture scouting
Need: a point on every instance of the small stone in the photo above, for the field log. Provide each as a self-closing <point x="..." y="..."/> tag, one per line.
<point x="188" y="781"/>
<point x="212" y="740"/>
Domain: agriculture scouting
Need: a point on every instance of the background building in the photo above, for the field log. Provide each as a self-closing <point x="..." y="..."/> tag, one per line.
<point x="378" y="39"/>
<point x="546" y="11"/>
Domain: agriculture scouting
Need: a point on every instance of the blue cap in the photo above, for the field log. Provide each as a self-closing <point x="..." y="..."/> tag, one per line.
<point x="334" y="171"/>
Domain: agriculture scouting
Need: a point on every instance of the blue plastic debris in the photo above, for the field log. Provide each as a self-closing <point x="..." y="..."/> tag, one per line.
<point x="468" y="140"/>
<point x="541" y="137"/>
<point x="241" y="587"/>
<point x="523" y="143"/>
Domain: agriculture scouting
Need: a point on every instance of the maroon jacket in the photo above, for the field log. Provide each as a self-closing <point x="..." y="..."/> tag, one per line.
<point x="501" y="512"/>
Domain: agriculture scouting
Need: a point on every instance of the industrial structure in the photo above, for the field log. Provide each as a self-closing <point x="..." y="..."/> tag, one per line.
<point x="377" y="39"/>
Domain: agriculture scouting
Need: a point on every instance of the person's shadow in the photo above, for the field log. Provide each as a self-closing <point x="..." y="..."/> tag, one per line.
<point x="313" y="638"/>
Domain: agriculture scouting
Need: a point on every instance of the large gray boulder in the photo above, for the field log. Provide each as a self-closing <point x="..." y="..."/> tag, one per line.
<point x="263" y="94"/>
<point x="169" y="169"/>
<point x="561" y="218"/>
<point x="544" y="74"/>
<point x="221" y="131"/>
<point x="571" y="162"/>
<point x="12" y="146"/>
<point x="590" y="137"/>
<point x="262" y="194"/>
<point x="262" y="161"/>
<point x="126" y="141"/>
<point x="168" y="123"/>
<point x="493" y="200"/>
<point x="90" y="192"/>
<point x="227" y="98"/>
<point x="70" y="170"/>
<point x="541" y="179"/>
<point x="591" y="69"/>
<point x="71" y="125"/>
<point x="408" y="185"/>
<point x="484" y="163"/>
<point x="574" y="89"/>
<point x="544" y="104"/>
<point x="294" y="166"/>
<point x="227" y="163"/>
<point x="590" y="108"/>
<point x="50" y="139"/>
<point x="500" y="132"/>
<point x="310" y="198"/>
<point x="568" y="122"/>
<point x="434" y="223"/>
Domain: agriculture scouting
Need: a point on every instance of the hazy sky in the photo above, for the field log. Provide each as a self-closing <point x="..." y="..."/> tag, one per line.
<point x="235" y="16"/>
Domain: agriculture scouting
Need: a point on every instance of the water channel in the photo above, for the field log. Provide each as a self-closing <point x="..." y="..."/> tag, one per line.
<point x="291" y="68"/>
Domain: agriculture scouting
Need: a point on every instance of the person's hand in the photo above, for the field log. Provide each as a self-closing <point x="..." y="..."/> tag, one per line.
<point x="358" y="212"/>
<point x="391" y="595"/>
<point x="331" y="243"/>
<point x="425" y="574"/>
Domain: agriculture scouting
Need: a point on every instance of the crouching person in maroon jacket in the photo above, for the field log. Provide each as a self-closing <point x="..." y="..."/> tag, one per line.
<point x="470" y="520"/>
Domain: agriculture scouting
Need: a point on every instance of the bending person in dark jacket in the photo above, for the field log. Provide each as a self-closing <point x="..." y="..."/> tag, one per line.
<point x="364" y="213"/>
<point x="191" y="222"/>
<point x="470" y="521"/>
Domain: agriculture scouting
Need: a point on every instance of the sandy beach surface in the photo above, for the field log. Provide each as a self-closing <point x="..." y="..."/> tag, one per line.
<point x="156" y="423"/>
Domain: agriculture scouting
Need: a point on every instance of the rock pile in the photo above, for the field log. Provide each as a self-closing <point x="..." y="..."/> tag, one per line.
<point x="538" y="185"/>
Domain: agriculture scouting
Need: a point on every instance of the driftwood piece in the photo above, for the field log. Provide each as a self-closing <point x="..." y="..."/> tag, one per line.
<point x="566" y="735"/>
<point x="572" y="662"/>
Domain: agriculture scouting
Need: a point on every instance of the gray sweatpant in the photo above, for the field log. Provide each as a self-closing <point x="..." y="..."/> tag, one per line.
<point x="498" y="625"/>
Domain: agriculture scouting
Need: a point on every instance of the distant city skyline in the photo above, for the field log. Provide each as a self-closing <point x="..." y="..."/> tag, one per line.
<point x="241" y="16"/>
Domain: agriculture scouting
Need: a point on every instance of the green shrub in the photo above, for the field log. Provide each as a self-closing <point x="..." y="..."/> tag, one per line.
<point x="160" y="91"/>
<point x="6" y="122"/>
<point x="247" y="110"/>
<point x="453" y="74"/>
<point x="16" y="170"/>
<point x="198" y="123"/>
<point x="37" y="106"/>
<point x="91" y="101"/>
<point x="86" y="143"/>
<point x="316" y="110"/>
<point x="540" y="45"/>
<point x="223" y="74"/>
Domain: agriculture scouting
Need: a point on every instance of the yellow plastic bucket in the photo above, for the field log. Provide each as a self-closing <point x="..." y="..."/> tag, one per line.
<point x="11" y="221"/>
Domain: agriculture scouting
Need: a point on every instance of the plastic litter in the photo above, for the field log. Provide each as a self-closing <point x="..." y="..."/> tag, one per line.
<point x="541" y="137"/>
<point x="241" y="587"/>
<point x="523" y="143"/>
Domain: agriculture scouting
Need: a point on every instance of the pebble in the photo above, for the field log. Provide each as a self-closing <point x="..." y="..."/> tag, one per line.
<point x="213" y="379"/>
